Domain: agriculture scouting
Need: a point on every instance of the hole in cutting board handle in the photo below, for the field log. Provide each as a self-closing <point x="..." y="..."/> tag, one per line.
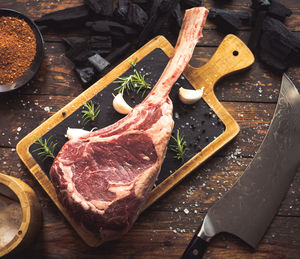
<point x="235" y="53"/>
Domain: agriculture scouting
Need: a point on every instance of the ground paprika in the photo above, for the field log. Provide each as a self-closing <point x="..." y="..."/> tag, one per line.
<point x="17" y="48"/>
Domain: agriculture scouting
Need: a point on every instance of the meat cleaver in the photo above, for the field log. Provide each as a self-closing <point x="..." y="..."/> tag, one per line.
<point x="248" y="208"/>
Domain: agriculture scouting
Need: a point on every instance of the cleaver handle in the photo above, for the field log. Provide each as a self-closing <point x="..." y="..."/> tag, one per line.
<point x="195" y="249"/>
<point x="197" y="246"/>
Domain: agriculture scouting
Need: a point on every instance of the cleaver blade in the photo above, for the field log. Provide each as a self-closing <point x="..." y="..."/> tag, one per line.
<point x="249" y="207"/>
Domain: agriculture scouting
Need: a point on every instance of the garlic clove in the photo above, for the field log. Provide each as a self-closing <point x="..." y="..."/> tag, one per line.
<point x="73" y="133"/>
<point x="120" y="105"/>
<point x="190" y="96"/>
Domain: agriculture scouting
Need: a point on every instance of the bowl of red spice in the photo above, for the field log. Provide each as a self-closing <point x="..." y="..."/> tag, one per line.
<point x="21" y="49"/>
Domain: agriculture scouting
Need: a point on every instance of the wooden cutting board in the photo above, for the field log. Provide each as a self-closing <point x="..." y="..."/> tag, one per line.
<point x="206" y="125"/>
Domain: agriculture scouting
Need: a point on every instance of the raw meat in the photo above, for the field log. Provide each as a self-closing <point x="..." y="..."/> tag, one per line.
<point x="103" y="178"/>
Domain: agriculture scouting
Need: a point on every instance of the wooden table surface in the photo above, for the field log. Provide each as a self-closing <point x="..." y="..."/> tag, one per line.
<point x="163" y="230"/>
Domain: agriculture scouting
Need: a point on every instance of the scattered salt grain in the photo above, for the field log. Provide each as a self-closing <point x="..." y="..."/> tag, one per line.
<point x="19" y="129"/>
<point x="47" y="109"/>
<point x="186" y="211"/>
<point x="176" y="209"/>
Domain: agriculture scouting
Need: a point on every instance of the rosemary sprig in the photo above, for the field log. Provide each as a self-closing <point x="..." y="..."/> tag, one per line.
<point x="126" y="84"/>
<point x="47" y="147"/>
<point x="140" y="83"/>
<point x="180" y="146"/>
<point x="131" y="82"/>
<point x="133" y="62"/>
<point x="90" y="113"/>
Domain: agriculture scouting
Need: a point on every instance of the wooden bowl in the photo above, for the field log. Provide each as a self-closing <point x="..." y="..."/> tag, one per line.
<point x="31" y="214"/>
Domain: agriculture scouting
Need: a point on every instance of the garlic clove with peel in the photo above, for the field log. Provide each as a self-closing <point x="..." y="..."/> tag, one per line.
<point x="73" y="133"/>
<point x="120" y="105"/>
<point x="190" y="96"/>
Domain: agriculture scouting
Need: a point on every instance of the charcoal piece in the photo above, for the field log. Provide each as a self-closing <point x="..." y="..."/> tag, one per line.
<point x="140" y="1"/>
<point x="107" y="7"/>
<point x="279" y="47"/>
<point x="278" y="10"/>
<point x="98" y="62"/>
<point x="100" y="42"/>
<point x="122" y="10"/>
<point x="227" y="20"/>
<point x="68" y="18"/>
<point x="94" y="5"/>
<point x="76" y="45"/>
<point x="260" y="4"/>
<point x="136" y="16"/>
<point x="254" y="39"/>
<point x="147" y="31"/>
<point x="165" y="9"/>
<point x="118" y="53"/>
<point x="75" y="42"/>
<point x="177" y="17"/>
<point x="145" y="4"/>
<point x="86" y="75"/>
<point x="83" y="56"/>
<point x="110" y="28"/>
<point x="190" y="3"/>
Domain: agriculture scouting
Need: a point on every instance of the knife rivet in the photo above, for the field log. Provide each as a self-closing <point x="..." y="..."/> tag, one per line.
<point x="195" y="252"/>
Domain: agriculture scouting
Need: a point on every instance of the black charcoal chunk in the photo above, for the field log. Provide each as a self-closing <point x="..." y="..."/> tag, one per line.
<point x="254" y="39"/>
<point x="147" y="31"/>
<point x="274" y="8"/>
<point x="76" y="45"/>
<point x="83" y="56"/>
<point x="98" y="62"/>
<point x="260" y="4"/>
<point x="278" y="10"/>
<point x="122" y="11"/>
<point x="137" y="16"/>
<point x="118" y="53"/>
<point x="191" y="3"/>
<point x="110" y="28"/>
<point x="107" y="7"/>
<point x="165" y="9"/>
<point x="177" y="16"/>
<point x="86" y="74"/>
<point x="279" y="47"/>
<point x="145" y="4"/>
<point x="65" y="19"/>
<point x="227" y="20"/>
<point x="100" y="42"/>
<point x="140" y="1"/>
<point x="94" y="5"/>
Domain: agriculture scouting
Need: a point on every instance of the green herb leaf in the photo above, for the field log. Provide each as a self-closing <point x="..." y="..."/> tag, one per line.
<point x="179" y="146"/>
<point x="133" y="63"/>
<point x="132" y="82"/>
<point x="46" y="148"/>
<point x="140" y="83"/>
<point x="90" y="113"/>
<point x="126" y="84"/>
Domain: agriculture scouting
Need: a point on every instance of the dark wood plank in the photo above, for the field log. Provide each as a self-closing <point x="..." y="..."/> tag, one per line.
<point x="173" y="228"/>
<point x="57" y="77"/>
<point x="35" y="9"/>
<point x="164" y="230"/>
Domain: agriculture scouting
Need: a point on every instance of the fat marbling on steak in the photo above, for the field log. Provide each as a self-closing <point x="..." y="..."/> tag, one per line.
<point x="104" y="178"/>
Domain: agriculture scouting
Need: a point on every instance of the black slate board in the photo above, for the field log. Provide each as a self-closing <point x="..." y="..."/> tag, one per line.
<point x="197" y="122"/>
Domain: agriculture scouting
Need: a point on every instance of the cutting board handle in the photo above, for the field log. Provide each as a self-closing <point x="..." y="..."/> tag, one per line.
<point x="232" y="55"/>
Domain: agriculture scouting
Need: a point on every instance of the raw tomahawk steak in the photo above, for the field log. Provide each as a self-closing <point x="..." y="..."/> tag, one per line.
<point x="104" y="178"/>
